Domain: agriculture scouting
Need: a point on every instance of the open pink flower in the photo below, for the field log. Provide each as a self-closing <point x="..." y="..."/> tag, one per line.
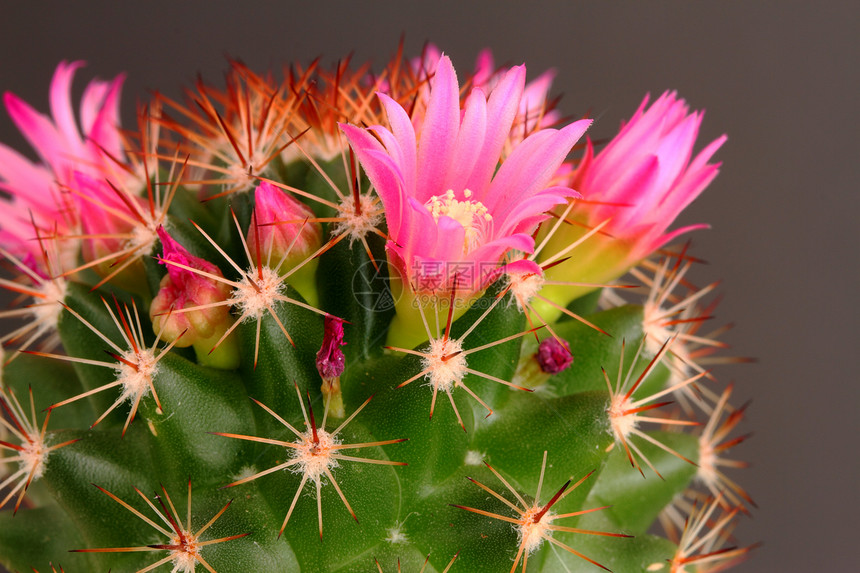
<point x="452" y="211"/>
<point x="64" y="146"/>
<point x="633" y="189"/>
<point x="644" y="177"/>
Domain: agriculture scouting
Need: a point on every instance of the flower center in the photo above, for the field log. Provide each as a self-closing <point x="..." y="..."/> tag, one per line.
<point x="472" y="215"/>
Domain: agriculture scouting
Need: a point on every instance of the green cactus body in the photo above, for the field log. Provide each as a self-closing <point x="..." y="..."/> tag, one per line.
<point x="467" y="452"/>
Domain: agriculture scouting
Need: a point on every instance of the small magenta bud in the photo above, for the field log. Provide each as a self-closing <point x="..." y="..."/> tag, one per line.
<point x="285" y="227"/>
<point x="182" y="288"/>
<point x="554" y="355"/>
<point x="331" y="363"/>
<point x="330" y="358"/>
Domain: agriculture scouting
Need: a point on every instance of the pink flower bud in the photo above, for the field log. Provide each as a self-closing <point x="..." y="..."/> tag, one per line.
<point x="285" y="226"/>
<point x="330" y="358"/>
<point x="554" y="355"/>
<point x="182" y="288"/>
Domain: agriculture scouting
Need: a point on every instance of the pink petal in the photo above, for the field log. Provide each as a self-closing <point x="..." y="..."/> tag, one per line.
<point x="451" y="239"/>
<point x="439" y="132"/>
<point x="383" y="174"/>
<point x="502" y="109"/>
<point x="526" y="210"/>
<point x="404" y="133"/>
<point x="91" y="103"/>
<point x="36" y="128"/>
<point x="531" y="166"/>
<point x="470" y="140"/>
<point x="61" y="103"/>
<point x="104" y="131"/>
<point x="20" y="177"/>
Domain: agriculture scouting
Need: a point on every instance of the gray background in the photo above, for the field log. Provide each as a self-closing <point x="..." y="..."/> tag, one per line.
<point x="780" y="78"/>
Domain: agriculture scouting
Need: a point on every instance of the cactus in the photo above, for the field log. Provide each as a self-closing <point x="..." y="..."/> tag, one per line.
<point x="356" y="321"/>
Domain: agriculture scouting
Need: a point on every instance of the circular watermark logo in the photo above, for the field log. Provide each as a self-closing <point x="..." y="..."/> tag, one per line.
<point x="371" y="287"/>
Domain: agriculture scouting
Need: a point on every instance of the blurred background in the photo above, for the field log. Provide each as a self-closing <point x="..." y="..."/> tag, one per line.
<point x="780" y="78"/>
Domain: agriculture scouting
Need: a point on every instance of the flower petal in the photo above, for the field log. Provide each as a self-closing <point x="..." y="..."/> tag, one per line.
<point x="439" y="132"/>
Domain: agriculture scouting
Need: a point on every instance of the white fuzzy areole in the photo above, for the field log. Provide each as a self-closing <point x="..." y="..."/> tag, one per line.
<point x="531" y="532"/>
<point x="525" y="286"/>
<point x="136" y="381"/>
<point x="242" y="176"/>
<point x="184" y="558"/>
<point x="357" y="225"/>
<point x="445" y="364"/>
<point x="473" y="458"/>
<point x="34" y="455"/>
<point x="255" y="295"/>
<point x="622" y="424"/>
<point x="314" y="457"/>
<point x="48" y="306"/>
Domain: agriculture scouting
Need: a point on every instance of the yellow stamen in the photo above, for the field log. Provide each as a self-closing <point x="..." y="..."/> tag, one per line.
<point x="471" y="214"/>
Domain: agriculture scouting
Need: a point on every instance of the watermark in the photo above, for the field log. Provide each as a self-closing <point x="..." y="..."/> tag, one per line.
<point x="441" y="302"/>
<point x="444" y="276"/>
<point x="371" y="287"/>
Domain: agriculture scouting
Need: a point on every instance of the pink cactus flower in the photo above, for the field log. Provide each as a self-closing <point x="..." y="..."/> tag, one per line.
<point x="644" y="177"/>
<point x="452" y="211"/>
<point x="633" y="189"/>
<point x="64" y="145"/>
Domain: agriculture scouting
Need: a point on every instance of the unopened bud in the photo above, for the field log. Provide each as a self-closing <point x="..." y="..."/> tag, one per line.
<point x="182" y="288"/>
<point x="330" y="359"/>
<point x="331" y="364"/>
<point x="554" y="355"/>
<point x="285" y="228"/>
